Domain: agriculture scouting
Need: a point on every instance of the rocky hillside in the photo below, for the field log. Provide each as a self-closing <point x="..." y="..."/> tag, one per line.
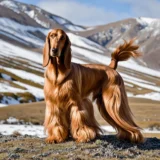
<point x="23" y="29"/>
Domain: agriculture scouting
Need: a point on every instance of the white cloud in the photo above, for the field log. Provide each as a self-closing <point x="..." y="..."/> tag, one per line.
<point x="144" y="8"/>
<point x="85" y="14"/>
<point x="80" y="13"/>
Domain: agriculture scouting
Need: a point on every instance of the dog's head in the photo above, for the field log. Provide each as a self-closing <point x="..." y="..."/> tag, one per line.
<point x="57" y="45"/>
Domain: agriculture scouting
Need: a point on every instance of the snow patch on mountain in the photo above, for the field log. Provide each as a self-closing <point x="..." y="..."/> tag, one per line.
<point x="30" y="13"/>
<point x="85" y="43"/>
<point x="2" y="105"/>
<point x="35" y="59"/>
<point x="44" y="24"/>
<point x="37" y="92"/>
<point x="60" y="20"/>
<point x="33" y="130"/>
<point x="11" y="5"/>
<point x="6" y="77"/>
<point x="33" y="15"/>
<point x="22" y="31"/>
<point x="68" y="24"/>
<point x="10" y="50"/>
<point x="128" y="77"/>
<point x="74" y="27"/>
<point x="147" y="21"/>
<point x="150" y="25"/>
<point x="153" y="96"/>
<point x="25" y="75"/>
<point x="6" y="88"/>
<point x="141" y="69"/>
<point x="9" y="100"/>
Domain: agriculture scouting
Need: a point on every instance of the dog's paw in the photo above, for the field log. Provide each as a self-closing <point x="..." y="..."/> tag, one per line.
<point x="85" y="134"/>
<point x="51" y="140"/>
<point x="82" y="140"/>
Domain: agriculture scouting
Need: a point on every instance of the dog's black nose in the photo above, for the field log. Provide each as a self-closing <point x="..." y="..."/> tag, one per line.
<point x="54" y="50"/>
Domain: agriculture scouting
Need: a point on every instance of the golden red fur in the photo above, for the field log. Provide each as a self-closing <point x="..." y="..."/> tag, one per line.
<point x="68" y="85"/>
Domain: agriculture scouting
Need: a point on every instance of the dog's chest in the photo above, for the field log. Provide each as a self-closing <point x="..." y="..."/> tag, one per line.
<point x="58" y="93"/>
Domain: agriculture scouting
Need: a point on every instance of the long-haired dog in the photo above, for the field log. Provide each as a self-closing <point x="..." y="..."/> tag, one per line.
<point x="68" y="85"/>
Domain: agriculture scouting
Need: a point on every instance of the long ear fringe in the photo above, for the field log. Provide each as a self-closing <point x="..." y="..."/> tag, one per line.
<point x="46" y="51"/>
<point x="67" y="53"/>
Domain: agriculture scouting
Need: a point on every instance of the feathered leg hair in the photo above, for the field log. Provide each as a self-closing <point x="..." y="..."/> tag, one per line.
<point x="56" y="125"/>
<point x="118" y="113"/>
<point x="83" y="124"/>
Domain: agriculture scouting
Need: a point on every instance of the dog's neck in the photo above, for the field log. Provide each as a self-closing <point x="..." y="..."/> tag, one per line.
<point x="57" y="70"/>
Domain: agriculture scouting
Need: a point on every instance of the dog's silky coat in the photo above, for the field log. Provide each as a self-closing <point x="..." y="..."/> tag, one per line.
<point x="68" y="85"/>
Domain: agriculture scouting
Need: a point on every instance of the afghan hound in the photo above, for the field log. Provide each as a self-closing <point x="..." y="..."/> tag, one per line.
<point x="68" y="85"/>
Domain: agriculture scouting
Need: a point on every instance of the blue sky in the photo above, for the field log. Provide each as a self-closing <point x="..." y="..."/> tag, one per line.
<point x="96" y="12"/>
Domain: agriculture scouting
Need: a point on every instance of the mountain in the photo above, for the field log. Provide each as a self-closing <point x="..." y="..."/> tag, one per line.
<point x="23" y="29"/>
<point x="34" y="16"/>
<point x="146" y="30"/>
<point x="32" y="20"/>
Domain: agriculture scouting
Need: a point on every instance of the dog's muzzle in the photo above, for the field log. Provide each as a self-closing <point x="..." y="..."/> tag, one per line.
<point x="54" y="52"/>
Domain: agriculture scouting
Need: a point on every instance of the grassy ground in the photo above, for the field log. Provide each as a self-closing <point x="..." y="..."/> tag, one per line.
<point x="146" y="113"/>
<point x="104" y="147"/>
<point x="29" y="112"/>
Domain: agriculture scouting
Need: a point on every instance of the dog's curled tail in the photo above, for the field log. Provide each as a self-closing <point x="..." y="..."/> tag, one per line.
<point x="124" y="52"/>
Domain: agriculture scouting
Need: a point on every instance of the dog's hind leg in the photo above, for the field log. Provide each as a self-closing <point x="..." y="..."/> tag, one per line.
<point x="84" y="127"/>
<point x="105" y="115"/>
<point x="117" y="109"/>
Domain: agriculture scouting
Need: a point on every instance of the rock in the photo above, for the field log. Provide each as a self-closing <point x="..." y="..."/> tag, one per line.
<point x="14" y="156"/>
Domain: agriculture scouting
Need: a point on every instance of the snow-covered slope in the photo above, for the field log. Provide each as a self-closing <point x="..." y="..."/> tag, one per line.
<point x="11" y="5"/>
<point x="21" y="43"/>
<point x="41" y="17"/>
<point x="21" y="33"/>
<point x="29" y="75"/>
<point x="21" y="72"/>
<point x="146" y="30"/>
<point x="21" y="75"/>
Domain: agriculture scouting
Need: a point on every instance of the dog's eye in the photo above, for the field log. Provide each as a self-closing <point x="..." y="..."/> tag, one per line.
<point x="53" y="35"/>
<point x="62" y="38"/>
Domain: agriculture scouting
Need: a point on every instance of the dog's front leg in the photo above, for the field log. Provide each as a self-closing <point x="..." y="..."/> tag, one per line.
<point x="55" y="124"/>
<point x="83" y="128"/>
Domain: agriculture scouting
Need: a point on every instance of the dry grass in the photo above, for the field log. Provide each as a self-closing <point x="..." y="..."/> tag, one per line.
<point x="29" y="112"/>
<point x="147" y="135"/>
<point x="146" y="112"/>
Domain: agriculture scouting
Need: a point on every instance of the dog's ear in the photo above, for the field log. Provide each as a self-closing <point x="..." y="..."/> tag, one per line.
<point x="46" y="51"/>
<point x="67" y="53"/>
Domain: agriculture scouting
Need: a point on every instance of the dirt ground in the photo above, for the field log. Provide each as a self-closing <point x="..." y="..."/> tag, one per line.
<point x="105" y="147"/>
